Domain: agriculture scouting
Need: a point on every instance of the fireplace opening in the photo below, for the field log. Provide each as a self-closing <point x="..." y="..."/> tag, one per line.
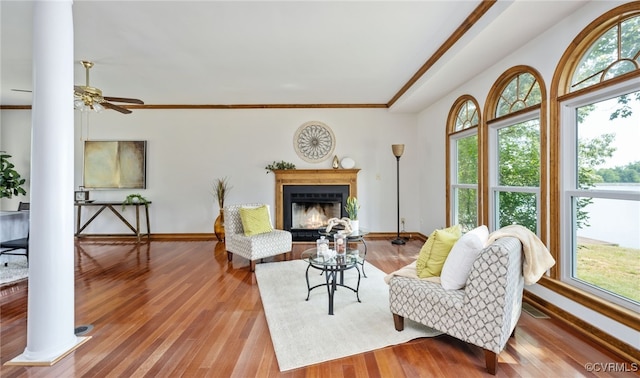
<point x="307" y="208"/>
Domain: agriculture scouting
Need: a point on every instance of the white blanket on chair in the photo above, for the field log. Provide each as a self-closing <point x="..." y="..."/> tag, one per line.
<point x="537" y="259"/>
<point x="411" y="272"/>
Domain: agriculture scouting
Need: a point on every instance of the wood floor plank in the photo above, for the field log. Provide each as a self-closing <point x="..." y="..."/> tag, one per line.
<point x="179" y="308"/>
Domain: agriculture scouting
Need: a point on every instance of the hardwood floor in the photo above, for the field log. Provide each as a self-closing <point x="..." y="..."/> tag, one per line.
<point x="176" y="308"/>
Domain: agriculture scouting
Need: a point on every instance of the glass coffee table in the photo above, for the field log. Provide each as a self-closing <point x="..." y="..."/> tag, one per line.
<point x="354" y="237"/>
<point x="333" y="269"/>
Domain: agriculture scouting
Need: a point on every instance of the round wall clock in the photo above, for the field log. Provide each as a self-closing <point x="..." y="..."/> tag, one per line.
<point x="314" y="142"/>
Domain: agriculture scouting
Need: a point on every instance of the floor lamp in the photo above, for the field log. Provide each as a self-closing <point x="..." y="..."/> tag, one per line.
<point x="398" y="149"/>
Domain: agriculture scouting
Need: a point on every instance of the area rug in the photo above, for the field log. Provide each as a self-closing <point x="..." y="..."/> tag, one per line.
<point x="17" y="269"/>
<point x="302" y="331"/>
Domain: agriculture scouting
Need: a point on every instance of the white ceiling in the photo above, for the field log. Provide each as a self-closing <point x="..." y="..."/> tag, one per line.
<point x="284" y="52"/>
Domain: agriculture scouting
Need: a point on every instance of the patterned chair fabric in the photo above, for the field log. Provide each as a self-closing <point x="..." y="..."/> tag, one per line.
<point x="483" y="313"/>
<point x="253" y="247"/>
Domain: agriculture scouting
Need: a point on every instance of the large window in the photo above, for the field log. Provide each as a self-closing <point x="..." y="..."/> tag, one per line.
<point x="515" y="192"/>
<point x="599" y="171"/>
<point x="463" y="164"/>
<point x="514" y="153"/>
<point x="601" y="177"/>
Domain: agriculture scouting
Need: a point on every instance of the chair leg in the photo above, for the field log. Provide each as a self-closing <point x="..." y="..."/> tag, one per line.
<point x="229" y="256"/>
<point x="398" y="322"/>
<point x="252" y="265"/>
<point x="491" y="359"/>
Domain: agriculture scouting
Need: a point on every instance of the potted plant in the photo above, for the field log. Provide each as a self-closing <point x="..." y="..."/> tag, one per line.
<point x="132" y="199"/>
<point x="10" y="180"/>
<point x="220" y="190"/>
<point x="279" y="165"/>
<point x="352" y="208"/>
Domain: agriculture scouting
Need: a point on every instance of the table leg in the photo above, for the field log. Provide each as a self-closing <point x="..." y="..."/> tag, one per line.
<point x="146" y="210"/>
<point x="308" y="285"/>
<point x="78" y="220"/>
<point x="123" y="219"/>
<point x="364" y="258"/>
<point x="358" y="285"/>
<point x="331" y="287"/>
<point x="138" y="222"/>
<point x="90" y="219"/>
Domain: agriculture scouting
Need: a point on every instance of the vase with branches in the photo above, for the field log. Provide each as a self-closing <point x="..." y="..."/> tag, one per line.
<point x="221" y="188"/>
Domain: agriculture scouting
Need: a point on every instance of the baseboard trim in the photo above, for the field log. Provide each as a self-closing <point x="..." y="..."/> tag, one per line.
<point x="212" y="236"/>
<point x="194" y="237"/>
<point x="594" y="334"/>
<point x="186" y="237"/>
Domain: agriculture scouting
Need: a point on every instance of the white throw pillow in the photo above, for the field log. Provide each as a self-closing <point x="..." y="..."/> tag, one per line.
<point x="457" y="267"/>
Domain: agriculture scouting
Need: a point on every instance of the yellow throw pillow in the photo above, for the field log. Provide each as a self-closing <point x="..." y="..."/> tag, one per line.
<point x="255" y="220"/>
<point x="434" y="252"/>
<point x="425" y="251"/>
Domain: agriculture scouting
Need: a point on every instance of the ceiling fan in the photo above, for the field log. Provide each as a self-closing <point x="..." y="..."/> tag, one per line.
<point x="88" y="98"/>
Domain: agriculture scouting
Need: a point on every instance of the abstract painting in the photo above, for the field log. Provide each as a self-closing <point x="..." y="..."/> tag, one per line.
<point x="115" y="164"/>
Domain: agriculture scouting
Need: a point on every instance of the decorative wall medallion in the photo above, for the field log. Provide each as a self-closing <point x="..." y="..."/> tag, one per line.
<point x="314" y="142"/>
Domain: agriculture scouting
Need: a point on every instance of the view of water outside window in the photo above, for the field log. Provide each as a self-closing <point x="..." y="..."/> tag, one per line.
<point x="607" y="226"/>
<point x="619" y="170"/>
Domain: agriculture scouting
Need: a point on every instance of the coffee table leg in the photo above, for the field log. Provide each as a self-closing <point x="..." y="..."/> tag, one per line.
<point x="331" y="287"/>
<point x="364" y="258"/>
<point x="358" y="285"/>
<point x="308" y="286"/>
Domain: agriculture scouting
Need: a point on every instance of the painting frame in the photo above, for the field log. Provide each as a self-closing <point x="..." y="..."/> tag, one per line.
<point x="115" y="164"/>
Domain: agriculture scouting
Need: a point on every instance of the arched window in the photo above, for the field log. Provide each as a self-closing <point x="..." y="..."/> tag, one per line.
<point x="462" y="168"/>
<point x="596" y="98"/>
<point x="614" y="52"/>
<point x="514" y="148"/>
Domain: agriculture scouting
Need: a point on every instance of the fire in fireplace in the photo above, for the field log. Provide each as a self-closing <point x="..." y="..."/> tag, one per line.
<point x="306" y="208"/>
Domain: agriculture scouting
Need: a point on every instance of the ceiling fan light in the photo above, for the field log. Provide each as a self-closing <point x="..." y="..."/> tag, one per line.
<point x="97" y="107"/>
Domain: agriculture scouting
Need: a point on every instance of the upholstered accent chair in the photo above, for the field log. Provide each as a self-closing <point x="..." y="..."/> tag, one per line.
<point x="255" y="244"/>
<point x="483" y="313"/>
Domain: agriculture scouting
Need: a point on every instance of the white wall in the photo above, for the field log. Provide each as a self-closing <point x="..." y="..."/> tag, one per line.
<point x="188" y="149"/>
<point x="543" y="54"/>
<point x="15" y="140"/>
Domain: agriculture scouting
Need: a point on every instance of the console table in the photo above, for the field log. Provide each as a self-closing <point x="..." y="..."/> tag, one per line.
<point x="113" y="206"/>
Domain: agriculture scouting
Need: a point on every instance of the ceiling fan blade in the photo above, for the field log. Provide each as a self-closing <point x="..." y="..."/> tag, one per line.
<point x="117" y="108"/>
<point x="22" y="90"/>
<point x="124" y="99"/>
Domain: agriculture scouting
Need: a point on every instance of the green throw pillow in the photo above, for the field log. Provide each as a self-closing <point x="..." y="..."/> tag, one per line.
<point x="434" y="252"/>
<point x="255" y="220"/>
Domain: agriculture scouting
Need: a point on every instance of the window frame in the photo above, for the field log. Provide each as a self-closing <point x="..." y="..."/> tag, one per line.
<point x="568" y="180"/>
<point x="453" y="175"/>
<point x="559" y="92"/>
<point x="451" y="157"/>
<point x="490" y="107"/>
<point x="495" y="189"/>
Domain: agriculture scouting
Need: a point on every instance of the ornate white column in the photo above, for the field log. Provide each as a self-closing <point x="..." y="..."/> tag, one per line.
<point x="50" y="323"/>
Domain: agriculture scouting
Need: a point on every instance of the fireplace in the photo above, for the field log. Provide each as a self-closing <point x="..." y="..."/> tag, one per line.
<point x="306" y="198"/>
<point x="306" y="208"/>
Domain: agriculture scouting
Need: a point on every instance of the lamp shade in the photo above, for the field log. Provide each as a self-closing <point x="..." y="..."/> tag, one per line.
<point x="397" y="149"/>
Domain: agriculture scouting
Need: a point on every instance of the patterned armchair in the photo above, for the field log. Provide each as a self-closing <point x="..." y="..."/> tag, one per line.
<point x="483" y="313"/>
<point x="252" y="247"/>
